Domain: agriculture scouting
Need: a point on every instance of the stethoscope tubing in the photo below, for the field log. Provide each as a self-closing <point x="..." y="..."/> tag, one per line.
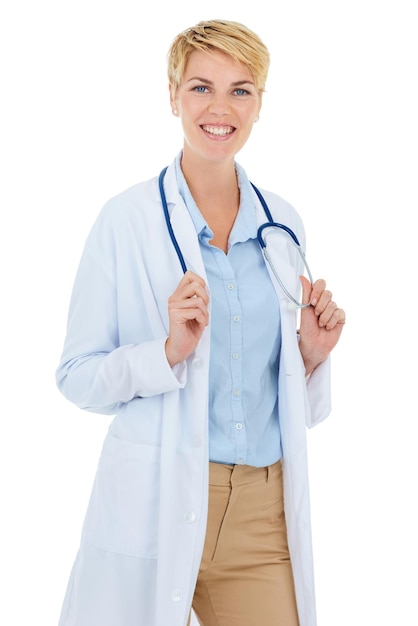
<point x="298" y="247"/>
<point x="168" y="221"/>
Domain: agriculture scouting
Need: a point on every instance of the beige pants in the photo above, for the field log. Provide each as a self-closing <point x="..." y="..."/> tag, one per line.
<point x="245" y="576"/>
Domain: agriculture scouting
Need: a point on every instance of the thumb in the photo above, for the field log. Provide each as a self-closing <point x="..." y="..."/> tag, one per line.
<point x="306" y="289"/>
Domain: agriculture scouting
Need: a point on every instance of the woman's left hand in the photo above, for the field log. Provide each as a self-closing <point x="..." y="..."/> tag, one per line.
<point x="321" y="324"/>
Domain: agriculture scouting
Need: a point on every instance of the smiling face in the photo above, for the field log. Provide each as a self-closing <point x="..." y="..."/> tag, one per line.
<point x="218" y="103"/>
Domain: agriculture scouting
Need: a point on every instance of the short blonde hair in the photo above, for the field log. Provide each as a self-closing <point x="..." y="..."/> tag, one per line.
<point x="233" y="38"/>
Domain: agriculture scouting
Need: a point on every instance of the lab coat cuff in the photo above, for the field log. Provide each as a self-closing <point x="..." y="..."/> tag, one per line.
<point x="179" y="372"/>
<point x="318" y="388"/>
<point x="157" y="376"/>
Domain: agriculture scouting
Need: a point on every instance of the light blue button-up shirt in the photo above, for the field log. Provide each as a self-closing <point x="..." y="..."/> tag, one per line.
<point x="244" y="423"/>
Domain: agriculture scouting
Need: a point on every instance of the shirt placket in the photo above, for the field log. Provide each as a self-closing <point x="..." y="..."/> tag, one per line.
<point x="238" y="422"/>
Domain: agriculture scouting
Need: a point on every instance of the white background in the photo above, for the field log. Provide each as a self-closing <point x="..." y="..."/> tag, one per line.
<point x="85" y="114"/>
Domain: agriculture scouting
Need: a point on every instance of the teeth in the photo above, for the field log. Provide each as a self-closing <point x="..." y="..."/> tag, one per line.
<point x="221" y="131"/>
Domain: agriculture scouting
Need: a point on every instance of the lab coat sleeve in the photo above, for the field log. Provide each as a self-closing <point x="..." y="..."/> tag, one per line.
<point x="317" y="391"/>
<point x="102" y="382"/>
<point x="318" y="388"/>
<point x="96" y="371"/>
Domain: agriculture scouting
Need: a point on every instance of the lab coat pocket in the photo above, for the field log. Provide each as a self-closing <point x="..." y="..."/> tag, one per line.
<point x="123" y="509"/>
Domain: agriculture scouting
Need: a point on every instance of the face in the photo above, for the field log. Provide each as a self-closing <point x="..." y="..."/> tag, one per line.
<point x="218" y="104"/>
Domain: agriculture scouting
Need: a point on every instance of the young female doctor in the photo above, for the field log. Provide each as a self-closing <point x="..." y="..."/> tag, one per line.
<point x="183" y="329"/>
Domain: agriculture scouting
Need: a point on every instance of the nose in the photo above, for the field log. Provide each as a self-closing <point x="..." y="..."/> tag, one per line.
<point x="219" y="104"/>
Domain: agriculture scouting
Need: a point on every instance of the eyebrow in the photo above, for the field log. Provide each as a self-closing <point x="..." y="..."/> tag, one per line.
<point x="210" y="82"/>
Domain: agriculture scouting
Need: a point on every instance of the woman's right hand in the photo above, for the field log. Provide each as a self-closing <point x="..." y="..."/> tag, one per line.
<point x="188" y="316"/>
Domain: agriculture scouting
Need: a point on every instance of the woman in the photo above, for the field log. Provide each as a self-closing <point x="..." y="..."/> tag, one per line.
<point x="191" y="343"/>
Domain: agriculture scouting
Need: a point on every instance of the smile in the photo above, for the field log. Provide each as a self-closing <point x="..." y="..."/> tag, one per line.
<point x="219" y="131"/>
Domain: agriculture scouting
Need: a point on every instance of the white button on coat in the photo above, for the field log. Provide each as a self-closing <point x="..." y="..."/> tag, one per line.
<point x="176" y="595"/>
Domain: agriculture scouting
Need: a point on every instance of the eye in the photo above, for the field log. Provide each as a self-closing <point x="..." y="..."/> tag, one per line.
<point x="241" y="92"/>
<point x="200" y="89"/>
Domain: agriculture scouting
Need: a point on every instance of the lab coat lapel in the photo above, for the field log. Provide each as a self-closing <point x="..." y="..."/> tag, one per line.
<point x="182" y="224"/>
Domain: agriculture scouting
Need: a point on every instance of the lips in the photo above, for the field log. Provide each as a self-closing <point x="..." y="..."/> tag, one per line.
<point x="218" y="131"/>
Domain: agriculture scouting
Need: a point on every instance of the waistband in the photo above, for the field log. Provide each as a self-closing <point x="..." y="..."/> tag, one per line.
<point x="234" y="475"/>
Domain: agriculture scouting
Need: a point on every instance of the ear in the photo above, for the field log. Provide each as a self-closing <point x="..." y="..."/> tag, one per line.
<point x="256" y="119"/>
<point x="260" y="105"/>
<point x="173" y="99"/>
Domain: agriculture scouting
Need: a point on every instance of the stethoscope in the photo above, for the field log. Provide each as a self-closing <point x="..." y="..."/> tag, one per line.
<point x="293" y="303"/>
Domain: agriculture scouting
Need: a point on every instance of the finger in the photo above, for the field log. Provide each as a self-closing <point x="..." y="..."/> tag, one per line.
<point x="189" y="300"/>
<point x="325" y="317"/>
<point x="196" y="290"/>
<point x="337" y="319"/>
<point x="183" y="316"/>
<point x="192" y="302"/>
<point x="317" y="291"/>
<point x="324" y="301"/>
<point x="191" y="285"/>
<point x="189" y="296"/>
<point x="306" y="289"/>
<point x="187" y="292"/>
<point x="332" y="317"/>
<point x="192" y="278"/>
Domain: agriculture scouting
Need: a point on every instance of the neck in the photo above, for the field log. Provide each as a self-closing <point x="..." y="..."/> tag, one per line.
<point x="212" y="185"/>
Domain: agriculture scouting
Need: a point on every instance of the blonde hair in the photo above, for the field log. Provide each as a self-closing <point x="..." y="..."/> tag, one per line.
<point x="233" y="38"/>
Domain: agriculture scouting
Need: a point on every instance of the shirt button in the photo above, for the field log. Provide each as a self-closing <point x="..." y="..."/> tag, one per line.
<point x="231" y="286"/>
<point x="236" y="318"/>
<point x="236" y="392"/>
<point x="197" y="363"/>
<point x="176" y="595"/>
<point x="238" y="426"/>
<point x="235" y="355"/>
<point x="190" y="517"/>
<point x="239" y="461"/>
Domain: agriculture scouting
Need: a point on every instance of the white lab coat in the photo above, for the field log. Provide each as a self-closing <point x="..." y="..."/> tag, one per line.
<point x="144" y="529"/>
